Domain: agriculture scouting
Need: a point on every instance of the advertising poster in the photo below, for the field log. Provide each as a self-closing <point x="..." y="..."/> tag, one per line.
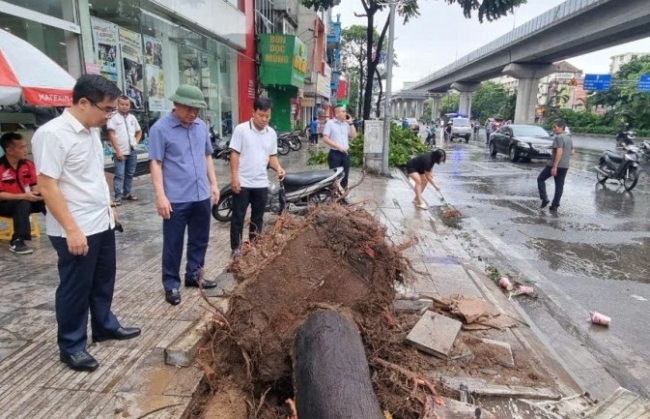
<point x="105" y="37"/>
<point x="154" y="72"/>
<point x="131" y="44"/>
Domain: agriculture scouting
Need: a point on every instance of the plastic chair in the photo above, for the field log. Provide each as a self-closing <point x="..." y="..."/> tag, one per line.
<point x="7" y="227"/>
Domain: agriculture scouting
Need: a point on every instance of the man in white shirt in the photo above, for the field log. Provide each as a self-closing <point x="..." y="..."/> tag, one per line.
<point x="255" y="147"/>
<point x="70" y="165"/>
<point x="124" y="132"/>
<point x="337" y="134"/>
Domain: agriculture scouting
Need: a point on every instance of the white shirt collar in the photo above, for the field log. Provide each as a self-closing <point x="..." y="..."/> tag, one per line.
<point x="254" y="128"/>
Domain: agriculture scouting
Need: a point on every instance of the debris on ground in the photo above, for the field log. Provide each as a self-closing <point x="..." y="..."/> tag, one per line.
<point x="434" y="334"/>
<point x="599" y="319"/>
<point x="338" y="258"/>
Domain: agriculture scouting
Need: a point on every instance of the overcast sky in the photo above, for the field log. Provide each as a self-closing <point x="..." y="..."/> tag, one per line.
<point x="441" y="34"/>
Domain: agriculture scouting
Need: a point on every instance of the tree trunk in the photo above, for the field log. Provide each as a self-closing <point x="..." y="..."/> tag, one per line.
<point x="372" y="61"/>
<point x="381" y="93"/>
<point x="330" y="370"/>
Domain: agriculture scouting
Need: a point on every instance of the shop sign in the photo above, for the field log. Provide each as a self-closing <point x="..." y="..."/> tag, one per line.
<point x="308" y="102"/>
<point x="284" y="60"/>
<point x="334" y="33"/>
<point x="323" y="87"/>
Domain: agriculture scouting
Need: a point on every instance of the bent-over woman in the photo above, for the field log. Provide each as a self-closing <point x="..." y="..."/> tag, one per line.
<point x="420" y="170"/>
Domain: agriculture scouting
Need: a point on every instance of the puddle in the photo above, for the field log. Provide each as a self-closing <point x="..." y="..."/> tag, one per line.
<point x="604" y="261"/>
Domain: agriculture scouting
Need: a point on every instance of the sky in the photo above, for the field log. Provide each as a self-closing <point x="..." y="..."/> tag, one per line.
<point x="442" y="34"/>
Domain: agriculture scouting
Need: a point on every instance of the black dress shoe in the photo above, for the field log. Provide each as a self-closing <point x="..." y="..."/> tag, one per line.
<point x="123" y="333"/>
<point x="205" y="284"/>
<point x="173" y="296"/>
<point x="80" y="361"/>
<point x="545" y="202"/>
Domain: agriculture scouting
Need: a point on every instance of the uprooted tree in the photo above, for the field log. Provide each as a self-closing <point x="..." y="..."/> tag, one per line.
<point x="409" y="9"/>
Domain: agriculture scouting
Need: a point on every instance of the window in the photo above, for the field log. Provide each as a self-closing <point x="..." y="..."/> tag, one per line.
<point x="62" y="9"/>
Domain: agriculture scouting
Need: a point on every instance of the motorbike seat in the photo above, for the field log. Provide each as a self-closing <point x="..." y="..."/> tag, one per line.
<point x="614" y="157"/>
<point x="306" y="178"/>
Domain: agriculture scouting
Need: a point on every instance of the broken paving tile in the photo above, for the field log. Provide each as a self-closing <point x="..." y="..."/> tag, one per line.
<point x="225" y="283"/>
<point x="412" y="306"/>
<point x="434" y="334"/>
<point x="501" y="353"/>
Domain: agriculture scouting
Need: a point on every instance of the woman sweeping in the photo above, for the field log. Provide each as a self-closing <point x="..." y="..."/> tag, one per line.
<point x="420" y="170"/>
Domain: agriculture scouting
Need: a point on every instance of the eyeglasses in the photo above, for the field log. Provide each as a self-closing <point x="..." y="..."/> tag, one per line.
<point x="107" y="111"/>
<point x="190" y="109"/>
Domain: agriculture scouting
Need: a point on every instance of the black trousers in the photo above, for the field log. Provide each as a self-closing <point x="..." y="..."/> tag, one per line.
<point x="559" y="184"/>
<point x="256" y="198"/>
<point x="20" y="211"/>
<point x="340" y="159"/>
<point x="85" y="283"/>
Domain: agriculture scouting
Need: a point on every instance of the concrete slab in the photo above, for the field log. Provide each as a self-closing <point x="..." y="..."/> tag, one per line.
<point x="623" y="404"/>
<point x="502" y="352"/>
<point x="182" y="351"/>
<point x="434" y="334"/>
<point x="411" y="306"/>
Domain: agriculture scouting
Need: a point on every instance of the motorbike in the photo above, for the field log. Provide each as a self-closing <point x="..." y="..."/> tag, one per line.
<point x="296" y="193"/>
<point x="624" y="138"/>
<point x="645" y="150"/>
<point x="219" y="150"/>
<point x="430" y="141"/>
<point x="623" y="168"/>
<point x="295" y="143"/>
<point x="284" y="147"/>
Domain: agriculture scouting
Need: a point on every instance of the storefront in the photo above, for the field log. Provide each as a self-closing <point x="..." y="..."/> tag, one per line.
<point x="145" y="46"/>
<point x="284" y="64"/>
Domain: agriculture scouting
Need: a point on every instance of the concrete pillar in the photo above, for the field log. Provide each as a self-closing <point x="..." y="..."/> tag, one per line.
<point x="435" y="106"/>
<point x="528" y="76"/>
<point x="419" y="104"/>
<point x="466" y="90"/>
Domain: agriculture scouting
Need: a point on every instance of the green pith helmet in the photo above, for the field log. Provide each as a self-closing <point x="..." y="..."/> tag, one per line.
<point x="189" y="95"/>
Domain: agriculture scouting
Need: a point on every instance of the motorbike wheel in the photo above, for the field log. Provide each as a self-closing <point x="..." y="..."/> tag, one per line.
<point x="630" y="181"/>
<point x="283" y="147"/>
<point x="320" y="198"/>
<point x="295" y="143"/>
<point x="601" y="178"/>
<point x="222" y="211"/>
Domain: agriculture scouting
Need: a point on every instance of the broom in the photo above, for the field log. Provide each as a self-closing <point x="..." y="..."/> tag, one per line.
<point x="450" y="212"/>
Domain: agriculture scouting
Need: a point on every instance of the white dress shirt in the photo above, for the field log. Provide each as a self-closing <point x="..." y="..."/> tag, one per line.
<point x="125" y="127"/>
<point x="67" y="151"/>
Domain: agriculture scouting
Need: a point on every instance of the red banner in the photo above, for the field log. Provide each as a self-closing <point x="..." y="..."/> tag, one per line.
<point x="40" y="96"/>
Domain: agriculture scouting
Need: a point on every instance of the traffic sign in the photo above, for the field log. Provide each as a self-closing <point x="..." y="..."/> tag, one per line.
<point x="644" y="83"/>
<point x="597" y="82"/>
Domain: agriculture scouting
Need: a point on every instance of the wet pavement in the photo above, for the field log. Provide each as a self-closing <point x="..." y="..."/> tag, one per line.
<point x="594" y="251"/>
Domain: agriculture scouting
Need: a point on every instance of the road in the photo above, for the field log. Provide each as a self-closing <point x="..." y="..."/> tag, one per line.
<point x="596" y="250"/>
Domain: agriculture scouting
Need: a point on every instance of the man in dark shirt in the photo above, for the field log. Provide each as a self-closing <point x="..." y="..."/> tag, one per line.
<point x="420" y="169"/>
<point x="558" y="167"/>
<point x="19" y="195"/>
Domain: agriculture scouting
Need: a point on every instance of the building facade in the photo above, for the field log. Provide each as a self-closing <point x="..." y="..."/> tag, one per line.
<point x="618" y="61"/>
<point x="146" y="47"/>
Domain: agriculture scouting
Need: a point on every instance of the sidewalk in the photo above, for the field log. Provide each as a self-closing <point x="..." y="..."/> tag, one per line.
<point x="133" y="379"/>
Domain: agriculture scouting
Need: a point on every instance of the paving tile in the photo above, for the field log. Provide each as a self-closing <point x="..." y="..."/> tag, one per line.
<point x="434" y="334"/>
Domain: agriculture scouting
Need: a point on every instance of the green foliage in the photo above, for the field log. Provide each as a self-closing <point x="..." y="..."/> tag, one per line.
<point x="623" y="101"/>
<point x="449" y="103"/>
<point x="317" y="157"/>
<point x="489" y="100"/>
<point x="404" y="145"/>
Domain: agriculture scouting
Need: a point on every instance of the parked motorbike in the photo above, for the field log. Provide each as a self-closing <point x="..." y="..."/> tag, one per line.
<point x="295" y="194"/>
<point x="624" y="138"/>
<point x="295" y="143"/>
<point x="284" y="147"/>
<point x="623" y="168"/>
<point x="645" y="150"/>
<point x="219" y="150"/>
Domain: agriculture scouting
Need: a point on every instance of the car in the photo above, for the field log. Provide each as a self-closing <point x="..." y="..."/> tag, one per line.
<point x="414" y="124"/>
<point x="461" y="127"/>
<point x="523" y="142"/>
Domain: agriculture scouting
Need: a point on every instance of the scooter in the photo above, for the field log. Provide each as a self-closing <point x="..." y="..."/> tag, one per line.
<point x="295" y="143"/>
<point x="624" y="138"/>
<point x="295" y="194"/>
<point x="219" y="151"/>
<point x="623" y="168"/>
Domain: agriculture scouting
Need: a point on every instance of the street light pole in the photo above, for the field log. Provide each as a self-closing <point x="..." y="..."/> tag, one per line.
<point x="389" y="84"/>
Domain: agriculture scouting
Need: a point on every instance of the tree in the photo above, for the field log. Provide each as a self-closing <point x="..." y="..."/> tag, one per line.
<point x="450" y="103"/>
<point x="486" y="10"/>
<point x="489" y="100"/>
